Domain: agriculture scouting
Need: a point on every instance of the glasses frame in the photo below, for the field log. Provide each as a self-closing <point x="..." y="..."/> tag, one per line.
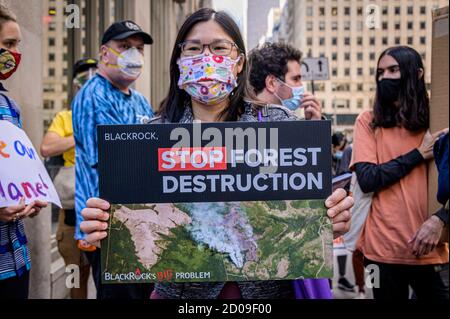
<point x="233" y="45"/>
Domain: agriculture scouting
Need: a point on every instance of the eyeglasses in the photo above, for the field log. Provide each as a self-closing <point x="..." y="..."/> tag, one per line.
<point x="220" y="48"/>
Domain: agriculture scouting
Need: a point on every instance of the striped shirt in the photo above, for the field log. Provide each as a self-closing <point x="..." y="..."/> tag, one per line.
<point x="14" y="254"/>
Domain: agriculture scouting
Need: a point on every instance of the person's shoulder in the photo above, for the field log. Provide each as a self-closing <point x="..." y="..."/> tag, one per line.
<point x="280" y="113"/>
<point x="365" y="117"/>
<point x="4" y="99"/>
<point x="64" y="113"/>
<point x="157" y="120"/>
<point x="94" y="87"/>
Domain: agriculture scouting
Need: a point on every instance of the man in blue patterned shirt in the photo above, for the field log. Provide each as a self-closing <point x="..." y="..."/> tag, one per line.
<point x="108" y="99"/>
<point x="15" y="261"/>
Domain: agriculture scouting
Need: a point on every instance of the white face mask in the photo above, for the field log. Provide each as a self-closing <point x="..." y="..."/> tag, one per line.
<point x="130" y="62"/>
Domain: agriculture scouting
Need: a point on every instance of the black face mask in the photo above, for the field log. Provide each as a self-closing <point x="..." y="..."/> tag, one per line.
<point x="389" y="90"/>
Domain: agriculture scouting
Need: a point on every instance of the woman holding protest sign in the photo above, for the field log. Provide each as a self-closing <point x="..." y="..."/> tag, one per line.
<point x="14" y="255"/>
<point x="207" y="43"/>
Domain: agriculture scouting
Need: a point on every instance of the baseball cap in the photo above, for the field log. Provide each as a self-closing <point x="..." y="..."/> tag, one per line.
<point x="125" y="29"/>
<point x="84" y="65"/>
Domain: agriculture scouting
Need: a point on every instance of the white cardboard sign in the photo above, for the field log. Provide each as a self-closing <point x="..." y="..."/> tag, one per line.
<point x="22" y="173"/>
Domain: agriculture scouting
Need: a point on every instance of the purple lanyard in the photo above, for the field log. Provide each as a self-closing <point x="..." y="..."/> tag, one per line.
<point x="260" y="117"/>
<point x="263" y="117"/>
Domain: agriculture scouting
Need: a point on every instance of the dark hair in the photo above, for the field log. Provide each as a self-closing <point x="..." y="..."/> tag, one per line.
<point x="6" y="15"/>
<point x="337" y="139"/>
<point x="414" y="110"/>
<point x="270" y="59"/>
<point x="173" y="107"/>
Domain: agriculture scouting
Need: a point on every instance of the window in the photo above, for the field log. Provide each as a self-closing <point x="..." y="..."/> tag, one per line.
<point x="423" y="40"/>
<point x="347" y="25"/>
<point x="319" y="87"/>
<point x="52" y="26"/>
<point x="372" y="41"/>
<point x="347" y="11"/>
<point x="359" y="56"/>
<point x="359" y="26"/>
<point x="410" y="40"/>
<point x="410" y="25"/>
<point x="334" y="56"/>
<point x="309" y="26"/>
<point x="359" y="40"/>
<point x="51" y="42"/>
<point x="322" y="25"/>
<point x="410" y="10"/>
<point x="334" y="25"/>
<point x="385" y="11"/>
<point x="322" y="55"/>
<point x="65" y="72"/>
<point x="65" y="41"/>
<point x="372" y="71"/>
<point x="321" y="11"/>
<point x="342" y="104"/>
<point x="49" y="105"/>
<point x="423" y="10"/>
<point x="309" y="11"/>
<point x="334" y="71"/>
<point x="334" y="41"/>
<point x="346" y="119"/>
<point x="347" y="41"/>
<point x="359" y="11"/>
<point x="322" y="41"/>
<point x="65" y="57"/>
<point x="51" y="57"/>
<point x="397" y="40"/>
<point x="384" y="40"/>
<point x="334" y="11"/>
<point x="51" y="72"/>
<point x="49" y="88"/>
<point x="397" y="26"/>
<point x="347" y="56"/>
<point x="397" y="11"/>
<point x="384" y="25"/>
<point x="359" y="103"/>
<point x="423" y="55"/>
<point x="372" y="56"/>
<point x="359" y="71"/>
<point x="423" y="25"/>
<point x="360" y="87"/>
<point x="309" y="41"/>
<point x="347" y="71"/>
<point x="341" y="87"/>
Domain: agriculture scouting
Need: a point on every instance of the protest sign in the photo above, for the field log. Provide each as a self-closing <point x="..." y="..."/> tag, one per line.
<point x="22" y="173"/>
<point x="216" y="202"/>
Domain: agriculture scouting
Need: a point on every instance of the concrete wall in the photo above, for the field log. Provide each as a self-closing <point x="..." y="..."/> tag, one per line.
<point x="26" y="89"/>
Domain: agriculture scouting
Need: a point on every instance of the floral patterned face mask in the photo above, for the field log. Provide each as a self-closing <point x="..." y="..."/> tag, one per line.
<point x="208" y="79"/>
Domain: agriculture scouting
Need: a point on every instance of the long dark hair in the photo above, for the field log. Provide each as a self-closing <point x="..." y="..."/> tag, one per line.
<point x="173" y="107"/>
<point x="414" y="110"/>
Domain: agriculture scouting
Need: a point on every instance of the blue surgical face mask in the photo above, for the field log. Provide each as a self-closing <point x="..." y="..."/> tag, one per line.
<point x="295" y="101"/>
<point x="338" y="155"/>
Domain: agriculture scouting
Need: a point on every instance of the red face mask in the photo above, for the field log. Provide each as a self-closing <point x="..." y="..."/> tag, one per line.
<point x="9" y="62"/>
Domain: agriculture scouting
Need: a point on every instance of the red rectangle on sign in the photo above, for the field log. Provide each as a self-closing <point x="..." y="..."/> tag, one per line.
<point x="192" y="159"/>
